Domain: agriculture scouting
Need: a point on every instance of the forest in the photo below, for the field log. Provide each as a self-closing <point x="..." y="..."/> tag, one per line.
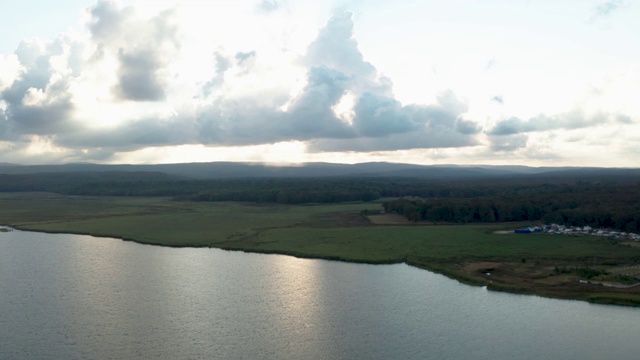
<point x="616" y="207"/>
<point x="598" y="200"/>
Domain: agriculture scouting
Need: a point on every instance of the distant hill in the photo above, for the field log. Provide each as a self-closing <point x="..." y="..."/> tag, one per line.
<point x="226" y="170"/>
<point x="65" y="182"/>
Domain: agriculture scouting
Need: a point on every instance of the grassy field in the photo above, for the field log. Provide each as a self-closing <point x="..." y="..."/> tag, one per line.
<point x="544" y="264"/>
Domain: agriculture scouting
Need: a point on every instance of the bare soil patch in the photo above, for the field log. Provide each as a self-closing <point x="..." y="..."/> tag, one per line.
<point x="481" y="267"/>
<point x="389" y="219"/>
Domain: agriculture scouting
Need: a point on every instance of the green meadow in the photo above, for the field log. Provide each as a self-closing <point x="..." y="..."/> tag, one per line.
<point x="521" y="263"/>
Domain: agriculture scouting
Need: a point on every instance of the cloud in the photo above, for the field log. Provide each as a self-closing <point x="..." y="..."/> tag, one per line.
<point x="131" y="135"/>
<point x="508" y="143"/>
<point x="377" y="116"/>
<point x="4" y="124"/>
<point x="138" y="77"/>
<point x="309" y="115"/>
<point x="123" y="68"/>
<point x="143" y="47"/>
<point x="335" y="67"/>
<point x="606" y="8"/>
<point x="382" y="123"/>
<point x="336" y="47"/>
<point x="10" y="70"/>
<point x="108" y="21"/>
<point x="490" y="64"/>
<point x="39" y="100"/>
<point x="624" y="119"/>
<point x="510" y="126"/>
<point x="467" y="127"/>
<point x="222" y="65"/>
<point x="568" y="121"/>
<point x="268" y="6"/>
<point x="243" y="57"/>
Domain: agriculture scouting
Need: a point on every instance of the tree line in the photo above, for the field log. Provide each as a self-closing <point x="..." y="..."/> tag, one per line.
<point x="614" y="206"/>
<point x="588" y="200"/>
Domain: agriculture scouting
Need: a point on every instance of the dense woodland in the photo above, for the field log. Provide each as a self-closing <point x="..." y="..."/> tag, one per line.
<point x="597" y="200"/>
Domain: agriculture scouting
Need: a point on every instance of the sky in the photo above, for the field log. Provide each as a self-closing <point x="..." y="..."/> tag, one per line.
<point x="537" y="83"/>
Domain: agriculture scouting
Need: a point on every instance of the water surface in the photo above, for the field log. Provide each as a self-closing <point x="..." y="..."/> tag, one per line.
<point x="80" y="297"/>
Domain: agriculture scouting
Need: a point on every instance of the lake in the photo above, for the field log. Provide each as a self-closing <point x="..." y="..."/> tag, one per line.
<point x="81" y="297"/>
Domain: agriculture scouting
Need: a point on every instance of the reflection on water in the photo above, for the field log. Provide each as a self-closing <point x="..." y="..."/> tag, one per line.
<point x="79" y="297"/>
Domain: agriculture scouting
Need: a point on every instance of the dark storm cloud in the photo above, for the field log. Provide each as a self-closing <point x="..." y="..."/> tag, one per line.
<point x="143" y="47"/>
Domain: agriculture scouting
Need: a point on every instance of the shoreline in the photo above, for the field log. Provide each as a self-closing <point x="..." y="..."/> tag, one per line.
<point x="450" y="270"/>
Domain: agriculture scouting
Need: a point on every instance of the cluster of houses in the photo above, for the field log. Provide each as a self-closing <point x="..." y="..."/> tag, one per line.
<point x="578" y="230"/>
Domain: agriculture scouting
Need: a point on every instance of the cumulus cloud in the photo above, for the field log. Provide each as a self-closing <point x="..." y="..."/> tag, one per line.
<point x="335" y="67"/>
<point x="10" y="70"/>
<point x="467" y="127"/>
<point x="382" y="123"/>
<point x="39" y="101"/>
<point x="138" y="78"/>
<point x="336" y="47"/>
<point x="309" y="115"/>
<point x="126" y="60"/>
<point x="143" y="47"/>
